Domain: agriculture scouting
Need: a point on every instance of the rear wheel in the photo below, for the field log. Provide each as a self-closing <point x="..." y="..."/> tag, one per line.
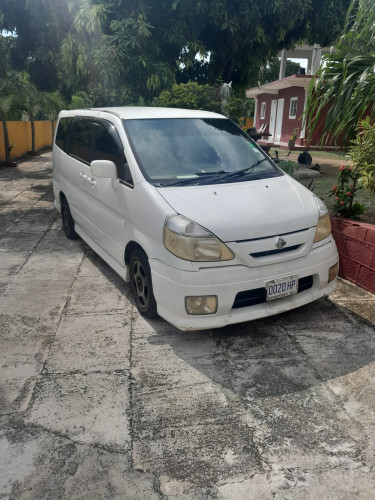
<point x="67" y="221"/>
<point x="141" y="285"/>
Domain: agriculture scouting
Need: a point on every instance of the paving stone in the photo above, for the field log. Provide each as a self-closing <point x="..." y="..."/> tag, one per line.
<point x="25" y="242"/>
<point x="41" y="465"/>
<point x="98" y="294"/>
<point x="309" y="428"/>
<point x="11" y="263"/>
<point x="336" y="484"/>
<point x="36" y="298"/>
<point x="256" y="487"/>
<point x="91" y="343"/>
<point x="90" y="409"/>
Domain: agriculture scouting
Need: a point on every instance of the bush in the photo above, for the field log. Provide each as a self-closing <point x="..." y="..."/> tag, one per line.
<point x="289" y="167"/>
<point x="239" y="108"/>
<point x="344" y="204"/>
<point x="362" y="153"/>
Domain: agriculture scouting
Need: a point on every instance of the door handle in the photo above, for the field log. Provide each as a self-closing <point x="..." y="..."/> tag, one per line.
<point x="83" y="176"/>
<point x="91" y="181"/>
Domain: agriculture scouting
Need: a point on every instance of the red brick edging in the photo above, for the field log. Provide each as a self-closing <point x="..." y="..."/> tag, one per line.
<point x="356" y="246"/>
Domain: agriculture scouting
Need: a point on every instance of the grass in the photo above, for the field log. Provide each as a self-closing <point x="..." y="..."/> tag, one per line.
<point x="322" y="185"/>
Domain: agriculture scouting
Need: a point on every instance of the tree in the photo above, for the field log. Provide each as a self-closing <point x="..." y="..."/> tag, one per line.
<point x="345" y="88"/>
<point x="271" y="70"/>
<point x="191" y="96"/>
<point x="117" y="51"/>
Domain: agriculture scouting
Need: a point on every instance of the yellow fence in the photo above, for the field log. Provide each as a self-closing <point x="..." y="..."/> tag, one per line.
<point x="20" y="137"/>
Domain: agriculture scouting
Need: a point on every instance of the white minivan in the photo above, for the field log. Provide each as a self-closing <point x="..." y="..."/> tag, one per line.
<point x="185" y="206"/>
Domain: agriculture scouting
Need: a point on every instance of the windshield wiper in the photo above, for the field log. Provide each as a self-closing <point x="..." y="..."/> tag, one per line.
<point x="243" y="171"/>
<point x="201" y="178"/>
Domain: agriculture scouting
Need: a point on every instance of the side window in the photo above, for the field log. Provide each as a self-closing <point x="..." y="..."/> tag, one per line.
<point x="82" y="139"/>
<point x="108" y="147"/>
<point x="293" y="107"/>
<point x="262" y="110"/>
<point x="63" y="133"/>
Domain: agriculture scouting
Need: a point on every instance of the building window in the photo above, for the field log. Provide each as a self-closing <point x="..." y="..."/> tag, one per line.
<point x="263" y="111"/>
<point x="293" y="107"/>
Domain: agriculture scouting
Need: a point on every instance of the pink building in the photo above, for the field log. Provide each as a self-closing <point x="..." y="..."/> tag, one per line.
<point x="279" y="105"/>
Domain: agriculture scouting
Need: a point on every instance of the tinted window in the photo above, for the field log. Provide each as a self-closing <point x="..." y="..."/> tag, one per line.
<point x="105" y="146"/>
<point x="180" y="150"/>
<point x="63" y="133"/>
<point x="108" y="147"/>
<point x="82" y="140"/>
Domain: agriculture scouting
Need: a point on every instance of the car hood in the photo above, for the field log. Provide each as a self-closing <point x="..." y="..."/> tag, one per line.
<point x="246" y="210"/>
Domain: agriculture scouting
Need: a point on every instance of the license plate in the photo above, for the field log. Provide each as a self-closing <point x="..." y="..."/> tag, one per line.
<point x="282" y="287"/>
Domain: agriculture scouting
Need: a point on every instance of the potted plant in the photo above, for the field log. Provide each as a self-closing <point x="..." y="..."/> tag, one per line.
<point x="293" y="138"/>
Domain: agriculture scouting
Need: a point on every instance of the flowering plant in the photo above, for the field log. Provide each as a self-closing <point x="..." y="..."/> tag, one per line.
<point x="294" y="135"/>
<point x="344" y="204"/>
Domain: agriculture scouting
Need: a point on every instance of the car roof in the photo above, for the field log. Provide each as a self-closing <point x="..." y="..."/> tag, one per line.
<point x="143" y="112"/>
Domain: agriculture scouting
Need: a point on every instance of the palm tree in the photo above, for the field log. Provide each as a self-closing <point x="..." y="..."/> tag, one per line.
<point x="344" y="90"/>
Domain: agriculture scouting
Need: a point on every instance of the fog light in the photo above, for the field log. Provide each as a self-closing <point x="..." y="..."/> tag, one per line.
<point x="333" y="271"/>
<point x="205" y="304"/>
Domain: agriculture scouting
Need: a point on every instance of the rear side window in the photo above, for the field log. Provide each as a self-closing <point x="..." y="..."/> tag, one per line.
<point x="82" y="140"/>
<point x="63" y="133"/>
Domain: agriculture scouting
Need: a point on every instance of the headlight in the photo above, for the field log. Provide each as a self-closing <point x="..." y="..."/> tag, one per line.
<point x="190" y="241"/>
<point x="323" y="229"/>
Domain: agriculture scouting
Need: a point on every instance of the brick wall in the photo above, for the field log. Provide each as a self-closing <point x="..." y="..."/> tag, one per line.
<point x="356" y="246"/>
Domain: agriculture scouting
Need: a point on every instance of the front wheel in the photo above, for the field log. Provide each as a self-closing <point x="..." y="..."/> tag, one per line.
<point x="141" y="285"/>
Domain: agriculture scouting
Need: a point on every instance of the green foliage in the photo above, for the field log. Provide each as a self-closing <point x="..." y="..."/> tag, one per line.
<point x="190" y="96"/>
<point x="270" y="72"/>
<point x="362" y="153"/>
<point x="116" y="51"/>
<point x="344" y="193"/>
<point x="346" y="79"/>
<point x="238" y="108"/>
<point x="51" y="103"/>
<point x="80" y="100"/>
<point x="289" y="167"/>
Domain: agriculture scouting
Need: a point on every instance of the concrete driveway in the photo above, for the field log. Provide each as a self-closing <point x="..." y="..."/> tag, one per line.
<point x="98" y="403"/>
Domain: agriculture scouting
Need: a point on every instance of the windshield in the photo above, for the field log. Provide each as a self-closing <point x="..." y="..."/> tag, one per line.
<point x="193" y="151"/>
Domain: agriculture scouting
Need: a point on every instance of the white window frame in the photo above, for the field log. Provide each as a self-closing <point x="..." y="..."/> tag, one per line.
<point x="291" y="106"/>
<point x="263" y="110"/>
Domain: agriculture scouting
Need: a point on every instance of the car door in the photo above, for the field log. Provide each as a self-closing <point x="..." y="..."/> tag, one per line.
<point x="78" y="170"/>
<point x="110" y="199"/>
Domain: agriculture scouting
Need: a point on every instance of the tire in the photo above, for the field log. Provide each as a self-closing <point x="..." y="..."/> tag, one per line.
<point x="141" y="284"/>
<point x="67" y="221"/>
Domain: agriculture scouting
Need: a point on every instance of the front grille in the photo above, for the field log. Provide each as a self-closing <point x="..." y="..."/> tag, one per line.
<point x="258" y="296"/>
<point x="273" y="252"/>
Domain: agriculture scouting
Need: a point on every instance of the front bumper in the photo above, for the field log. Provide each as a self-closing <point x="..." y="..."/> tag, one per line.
<point x="171" y="286"/>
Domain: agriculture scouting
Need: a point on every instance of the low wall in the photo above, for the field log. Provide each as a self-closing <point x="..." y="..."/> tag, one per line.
<point x="356" y="246"/>
<point x="20" y="135"/>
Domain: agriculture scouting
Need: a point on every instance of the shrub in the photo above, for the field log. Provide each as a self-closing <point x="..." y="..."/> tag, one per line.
<point x="289" y="167"/>
<point x="344" y="193"/>
<point x="362" y="153"/>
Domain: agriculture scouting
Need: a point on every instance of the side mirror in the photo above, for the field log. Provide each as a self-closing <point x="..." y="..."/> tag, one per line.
<point x="104" y="169"/>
